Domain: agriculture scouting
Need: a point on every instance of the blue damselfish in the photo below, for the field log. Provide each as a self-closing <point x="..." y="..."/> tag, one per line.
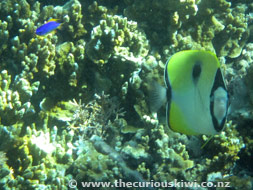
<point x="48" y="27"/>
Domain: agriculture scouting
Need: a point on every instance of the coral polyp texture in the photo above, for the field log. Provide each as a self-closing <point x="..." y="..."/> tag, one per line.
<point x="74" y="102"/>
<point x="117" y="37"/>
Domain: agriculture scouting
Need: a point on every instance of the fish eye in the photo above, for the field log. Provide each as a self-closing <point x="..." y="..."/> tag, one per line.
<point x="196" y="70"/>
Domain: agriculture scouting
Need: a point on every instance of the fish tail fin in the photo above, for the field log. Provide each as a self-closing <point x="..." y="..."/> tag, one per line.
<point x="157" y="96"/>
<point x="60" y="26"/>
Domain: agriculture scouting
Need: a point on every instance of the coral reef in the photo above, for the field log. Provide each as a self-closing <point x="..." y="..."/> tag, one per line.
<point x="34" y="164"/>
<point x="117" y="37"/>
<point x="229" y="143"/>
<point x="74" y="102"/>
<point x="193" y="25"/>
<point x="15" y="101"/>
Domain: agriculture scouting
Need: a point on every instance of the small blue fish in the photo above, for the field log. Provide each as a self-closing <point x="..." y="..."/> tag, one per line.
<point x="48" y="27"/>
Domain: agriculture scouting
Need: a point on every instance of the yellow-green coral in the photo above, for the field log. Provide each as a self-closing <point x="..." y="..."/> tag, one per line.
<point x="15" y="98"/>
<point x="228" y="144"/>
<point x="91" y="165"/>
<point x="4" y="35"/>
<point x="214" y="26"/>
<point x="105" y="46"/>
<point x="116" y="37"/>
<point x="35" y="158"/>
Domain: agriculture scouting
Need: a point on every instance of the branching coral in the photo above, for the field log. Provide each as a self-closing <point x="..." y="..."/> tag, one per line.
<point x="227" y="145"/>
<point x="3" y="158"/>
<point x="96" y="115"/>
<point x="99" y="49"/>
<point x="116" y="37"/>
<point x="15" y="98"/>
<point x="193" y="25"/>
<point x="36" y="154"/>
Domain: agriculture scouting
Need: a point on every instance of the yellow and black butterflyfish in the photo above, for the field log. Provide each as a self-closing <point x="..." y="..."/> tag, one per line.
<point x="196" y="94"/>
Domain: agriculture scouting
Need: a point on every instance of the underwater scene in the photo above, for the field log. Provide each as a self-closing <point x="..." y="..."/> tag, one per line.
<point x="130" y="94"/>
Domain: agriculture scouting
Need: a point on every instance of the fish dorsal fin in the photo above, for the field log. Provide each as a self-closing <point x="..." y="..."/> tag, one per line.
<point x="53" y="19"/>
<point x="56" y="20"/>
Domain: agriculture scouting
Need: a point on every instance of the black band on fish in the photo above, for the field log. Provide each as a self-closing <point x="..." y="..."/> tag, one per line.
<point x="196" y="71"/>
<point x="166" y="78"/>
<point x="218" y="85"/>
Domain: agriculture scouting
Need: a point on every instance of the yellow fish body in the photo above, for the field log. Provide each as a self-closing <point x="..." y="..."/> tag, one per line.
<point x="197" y="99"/>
